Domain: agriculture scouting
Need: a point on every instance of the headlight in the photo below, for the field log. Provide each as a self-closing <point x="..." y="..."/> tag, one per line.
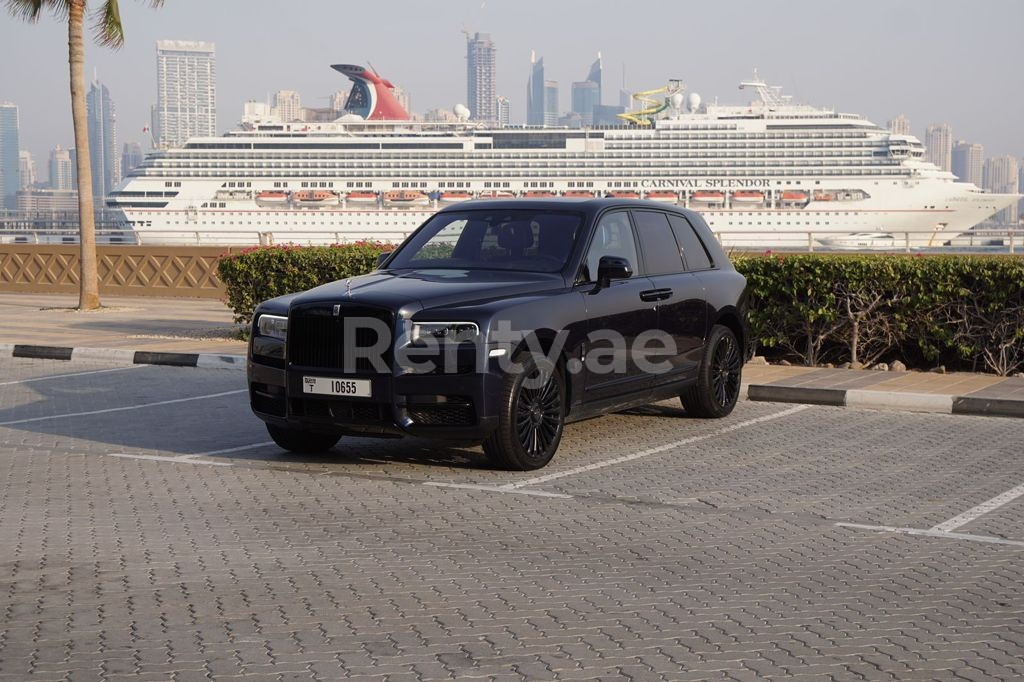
<point x="445" y="332"/>
<point x="273" y="326"/>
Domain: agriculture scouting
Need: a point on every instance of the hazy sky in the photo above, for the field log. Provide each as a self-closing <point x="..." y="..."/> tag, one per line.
<point x="957" y="61"/>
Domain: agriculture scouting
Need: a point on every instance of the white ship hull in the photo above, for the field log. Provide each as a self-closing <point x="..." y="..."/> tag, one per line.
<point x="925" y="214"/>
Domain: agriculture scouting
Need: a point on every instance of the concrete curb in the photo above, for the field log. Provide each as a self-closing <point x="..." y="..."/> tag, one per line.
<point x="888" y="400"/>
<point x="119" y="356"/>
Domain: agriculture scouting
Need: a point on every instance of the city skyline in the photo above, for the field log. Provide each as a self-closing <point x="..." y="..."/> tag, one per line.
<point x="968" y="89"/>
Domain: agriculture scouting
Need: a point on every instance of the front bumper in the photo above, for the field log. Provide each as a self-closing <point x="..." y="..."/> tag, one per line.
<point x="457" y="407"/>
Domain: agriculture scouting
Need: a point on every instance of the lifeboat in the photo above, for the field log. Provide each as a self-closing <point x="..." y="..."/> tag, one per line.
<point x="362" y="198"/>
<point x="623" y="194"/>
<point x="497" y="194"/>
<point x="748" y="197"/>
<point x="454" y="197"/>
<point x="706" y="197"/>
<point x="578" y="194"/>
<point x="822" y="195"/>
<point x="314" y="198"/>
<point x="538" y="194"/>
<point x="794" y="198"/>
<point x="663" y="195"/>
<point x="406" y="198"/>
<point x="272" y="198"/>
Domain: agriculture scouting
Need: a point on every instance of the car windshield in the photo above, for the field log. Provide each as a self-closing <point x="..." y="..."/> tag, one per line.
<point x="520" y="239"/>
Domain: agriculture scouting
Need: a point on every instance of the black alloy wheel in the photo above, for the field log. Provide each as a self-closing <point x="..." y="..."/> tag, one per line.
<point x="532" y="415"/>
<point x="717" y="389"/>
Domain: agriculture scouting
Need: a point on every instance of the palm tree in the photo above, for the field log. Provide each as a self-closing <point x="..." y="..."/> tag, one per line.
<point x="107" y="32"/>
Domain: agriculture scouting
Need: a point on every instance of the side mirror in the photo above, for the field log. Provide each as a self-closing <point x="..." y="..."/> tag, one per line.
<point x="612" y="267"/>
<point x="383" y="257"/>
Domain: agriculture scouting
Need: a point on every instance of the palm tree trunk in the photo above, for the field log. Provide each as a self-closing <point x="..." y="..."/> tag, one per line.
<point x="89" y="290"/>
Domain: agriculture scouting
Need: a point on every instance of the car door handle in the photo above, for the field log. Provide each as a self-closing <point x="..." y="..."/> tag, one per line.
<point x="655" y="294"/>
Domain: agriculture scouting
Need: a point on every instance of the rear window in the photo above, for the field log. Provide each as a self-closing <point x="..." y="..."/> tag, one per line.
<point x="661" y="253"/>
<point x="694" y="253"/>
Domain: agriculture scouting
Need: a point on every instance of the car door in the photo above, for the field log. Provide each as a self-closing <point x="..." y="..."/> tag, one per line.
<point x="682" y="311"/>
<point x="616" y="313"/>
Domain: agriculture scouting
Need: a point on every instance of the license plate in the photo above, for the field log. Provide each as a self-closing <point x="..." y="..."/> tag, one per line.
<point x="359" y="388"/>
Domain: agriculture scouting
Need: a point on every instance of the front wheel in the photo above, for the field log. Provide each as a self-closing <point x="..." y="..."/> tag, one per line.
<point x="718" y="378"/>
<point x="302" y="442"/>
<point x="532" y="416"/>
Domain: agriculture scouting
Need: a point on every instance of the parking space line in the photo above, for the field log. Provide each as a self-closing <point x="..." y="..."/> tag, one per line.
<point x="179" y="459"/>
<point x="650" y="451"/>
<point x="980" y="510"/>
<point x="65" y="376"/>
<point x="123" y="409"/>
<point x="497" y="489"/>
<point x="932" y="533"/>
<point x="195" y="457"/>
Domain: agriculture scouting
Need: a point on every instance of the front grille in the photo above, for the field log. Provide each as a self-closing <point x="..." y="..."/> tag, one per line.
<point x="442" y="414"/>
<point x="316" y="336"/>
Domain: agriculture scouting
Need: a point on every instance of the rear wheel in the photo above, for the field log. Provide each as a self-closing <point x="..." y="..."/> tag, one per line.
<point x="532" y="416"/>
<point x="302" y="442"/>
<point x="718" y="379"/>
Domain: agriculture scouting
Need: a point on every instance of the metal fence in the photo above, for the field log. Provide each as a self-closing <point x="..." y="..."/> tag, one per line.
<point x="908" y="241"/>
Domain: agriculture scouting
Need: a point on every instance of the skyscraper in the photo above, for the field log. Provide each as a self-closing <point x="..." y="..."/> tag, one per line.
<point x="900" y="125"/>
<point x="26" y="170"/>
<point x="587" y="94"/>
<point x="535" y="92"/>
<point x="61" y="175"/>
<point x="186" y="91"/>
<point x="402" y="97"/>
<point x="10" y="172"/>
<point x="131" y="157"/>
<point x="288" y="106"/>
<point x="338" y="100"/>
<point x="503" y="110"/>
<point x="104" y="156"/>
<point x="968" y="160"/>
<point x="480" y="77"/>
<point x="938" y="142"/>
<point x="1002" y="177"/>
<point x="550" y="103"/>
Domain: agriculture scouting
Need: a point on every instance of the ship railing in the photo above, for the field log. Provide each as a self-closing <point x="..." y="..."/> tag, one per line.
<point x="982" y="240"/>
<point x="185" y="237"/>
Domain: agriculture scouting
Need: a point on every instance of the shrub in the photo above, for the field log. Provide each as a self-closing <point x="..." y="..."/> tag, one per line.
<point x="864" y="308"/>
<point x="255" y="275"/>
<point x="963" y="311"/>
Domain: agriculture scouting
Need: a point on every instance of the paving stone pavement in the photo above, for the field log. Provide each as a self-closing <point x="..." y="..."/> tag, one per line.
<point x="208" y="554"/>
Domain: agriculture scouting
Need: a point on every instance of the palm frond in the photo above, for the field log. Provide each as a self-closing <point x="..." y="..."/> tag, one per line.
<point x="29" y="10"/>
<point x="107" y="28"/>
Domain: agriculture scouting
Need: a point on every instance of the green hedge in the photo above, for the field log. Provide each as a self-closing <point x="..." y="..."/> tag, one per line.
<point x="258" y="274"/>
<point x="965" y="311"/>
<point x="961" y="311"/>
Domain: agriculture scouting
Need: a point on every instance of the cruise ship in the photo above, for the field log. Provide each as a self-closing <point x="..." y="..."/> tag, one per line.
<point x="763" y="174"/>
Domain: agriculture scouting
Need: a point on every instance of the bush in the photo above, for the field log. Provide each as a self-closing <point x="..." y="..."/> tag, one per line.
<point x="257" y="274"/>
<point x="962" y="310"/>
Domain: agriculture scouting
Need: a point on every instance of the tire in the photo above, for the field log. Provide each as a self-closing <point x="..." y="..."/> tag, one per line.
<point x="532" y="416"/>
<point x="302" y="442"/>
<point x="718" y="379"/>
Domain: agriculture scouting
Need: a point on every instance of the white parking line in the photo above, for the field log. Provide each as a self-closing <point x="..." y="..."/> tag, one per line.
<point x="650" y="451"/>
<point x="123" y="409"/>
<point x="497" y="489"/>
<point x="980" y="510"/>
<point x="179" y="459"/>
<point x="931" y="532"/>
<point x="65" y="376"/>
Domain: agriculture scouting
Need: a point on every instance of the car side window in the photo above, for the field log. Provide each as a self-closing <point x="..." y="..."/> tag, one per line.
<point x="612" y="237"/>
<point x="694" y="253"/>
<point x="661" y="252"/>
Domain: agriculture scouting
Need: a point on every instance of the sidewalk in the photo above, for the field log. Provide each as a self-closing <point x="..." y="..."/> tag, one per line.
<point x="202" y="326"/>
<point x="172" y="325"/>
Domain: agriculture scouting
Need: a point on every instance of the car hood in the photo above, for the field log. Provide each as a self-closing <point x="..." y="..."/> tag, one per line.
<point x="397" y="289"/>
